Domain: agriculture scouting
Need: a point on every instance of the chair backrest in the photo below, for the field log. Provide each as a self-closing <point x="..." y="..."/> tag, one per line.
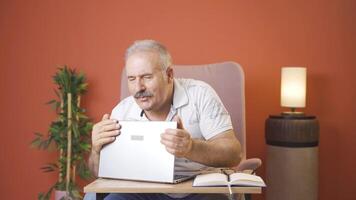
<point x="227" y="79"/>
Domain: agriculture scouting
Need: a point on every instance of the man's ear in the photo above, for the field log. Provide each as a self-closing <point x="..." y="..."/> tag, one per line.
<point x="169" y="73"/>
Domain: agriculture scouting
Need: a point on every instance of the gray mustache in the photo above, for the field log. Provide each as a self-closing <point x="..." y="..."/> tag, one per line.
<point x="140" y="94"/>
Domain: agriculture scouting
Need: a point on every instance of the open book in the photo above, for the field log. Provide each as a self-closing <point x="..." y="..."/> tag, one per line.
<point x="235" y="179"/>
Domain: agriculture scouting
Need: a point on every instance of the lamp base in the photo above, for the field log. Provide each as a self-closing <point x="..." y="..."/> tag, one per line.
<point x="292" y="113"/>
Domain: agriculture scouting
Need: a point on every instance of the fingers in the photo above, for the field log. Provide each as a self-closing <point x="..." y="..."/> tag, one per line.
<point x="173" y="145"/>
<point x="179" y="137"/>
<point x="105" y="125"/>
<point x="176" y="150"/>
<point x="109" y="127"/>
<point x="104" y="132"/>
<point x="176" y="132"/>
<point x="105" y="116"/>
<point x="108" y="134"/>
<point x="177" y="142"/>
<point x="179" y="122"/>
<point x="106" y="122"/>
<point x="100" y="139"/>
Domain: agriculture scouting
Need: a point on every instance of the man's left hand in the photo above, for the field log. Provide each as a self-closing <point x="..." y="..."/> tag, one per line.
<point x="177" y="141"/>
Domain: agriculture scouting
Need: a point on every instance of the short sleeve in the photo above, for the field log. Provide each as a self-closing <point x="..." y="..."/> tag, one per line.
<point x="120" y="110"/>
<point x="214" y="118"/>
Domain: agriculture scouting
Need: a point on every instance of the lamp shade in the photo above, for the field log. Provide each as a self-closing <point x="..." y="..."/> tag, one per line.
<point x="293" y="87"/>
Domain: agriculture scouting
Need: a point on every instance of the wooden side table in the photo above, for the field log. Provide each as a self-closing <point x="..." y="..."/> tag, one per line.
<point x="103" y="186"/>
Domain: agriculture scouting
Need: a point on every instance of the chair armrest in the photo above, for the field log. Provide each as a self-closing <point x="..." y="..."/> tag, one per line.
<point x="249" y="164"/>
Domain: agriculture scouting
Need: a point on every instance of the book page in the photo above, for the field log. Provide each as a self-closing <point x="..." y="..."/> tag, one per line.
<point x="211" y="179"/>
<point x="246" y="180"/>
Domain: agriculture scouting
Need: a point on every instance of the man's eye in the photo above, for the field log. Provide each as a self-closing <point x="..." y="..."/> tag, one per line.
<point x="147" y="77"/>
<point x="131" y="79"/>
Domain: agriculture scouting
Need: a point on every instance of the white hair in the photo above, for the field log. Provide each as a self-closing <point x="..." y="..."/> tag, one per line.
<point x="165" y="59"/>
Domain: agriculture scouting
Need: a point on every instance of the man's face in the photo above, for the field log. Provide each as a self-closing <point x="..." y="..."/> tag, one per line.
<point x="147" y="82"/>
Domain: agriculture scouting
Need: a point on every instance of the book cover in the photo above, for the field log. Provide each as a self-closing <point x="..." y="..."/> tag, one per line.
<point x="235" y="179"/>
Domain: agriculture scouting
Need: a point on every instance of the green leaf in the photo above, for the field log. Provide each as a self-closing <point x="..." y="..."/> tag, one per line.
<point x="50" y="167"/>
<point x="75" y="130"/>
<point x="51" y="101"/>
<point x="82" y="116"/>
<point x="85" y="146"/>
<point x="42" y="196"/>
<point x="36" y="143"/>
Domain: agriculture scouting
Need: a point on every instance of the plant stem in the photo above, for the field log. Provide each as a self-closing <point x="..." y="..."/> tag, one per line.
<point x="73" y="173"/>
<point x="60" y="176"/>
<point x="69" y="137"/>
<point x="78" y="106"/>
<point x="77" y="117"/>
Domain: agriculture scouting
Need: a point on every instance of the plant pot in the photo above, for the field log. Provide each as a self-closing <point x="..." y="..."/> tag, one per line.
<point x="59" y="194"/>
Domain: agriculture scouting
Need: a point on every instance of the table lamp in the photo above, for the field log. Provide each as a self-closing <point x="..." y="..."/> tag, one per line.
<point x="292" y="140"/>
<point x="293" y="88"/>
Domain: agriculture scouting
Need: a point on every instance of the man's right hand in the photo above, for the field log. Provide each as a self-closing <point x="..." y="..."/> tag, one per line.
<point x="104" y="132"/>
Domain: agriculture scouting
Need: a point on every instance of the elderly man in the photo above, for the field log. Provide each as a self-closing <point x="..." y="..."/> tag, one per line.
<point x="204" y="137"/>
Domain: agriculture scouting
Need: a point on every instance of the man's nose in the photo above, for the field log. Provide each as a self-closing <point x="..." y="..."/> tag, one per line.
<point x="140" y="86"/>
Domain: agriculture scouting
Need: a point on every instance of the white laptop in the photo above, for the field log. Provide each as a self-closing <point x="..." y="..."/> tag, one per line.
<point x="137" y="154"/>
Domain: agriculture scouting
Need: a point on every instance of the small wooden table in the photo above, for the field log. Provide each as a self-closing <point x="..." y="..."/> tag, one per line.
<point x="103" y="186"/>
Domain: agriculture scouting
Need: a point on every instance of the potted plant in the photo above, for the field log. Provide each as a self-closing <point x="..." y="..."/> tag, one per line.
<point x="69" y="134"/>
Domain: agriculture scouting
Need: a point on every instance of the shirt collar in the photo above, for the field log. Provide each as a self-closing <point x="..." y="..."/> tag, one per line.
<point x="180" y="97"/>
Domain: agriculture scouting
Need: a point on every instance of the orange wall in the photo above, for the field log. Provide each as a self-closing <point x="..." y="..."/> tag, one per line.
<point x="36" y="36"/>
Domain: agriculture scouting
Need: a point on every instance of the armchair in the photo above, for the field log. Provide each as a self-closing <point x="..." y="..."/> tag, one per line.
<point x="227" y="79"/>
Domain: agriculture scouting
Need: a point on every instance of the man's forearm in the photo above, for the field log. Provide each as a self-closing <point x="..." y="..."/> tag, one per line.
<point x="222" y="152"/>
<point x="93" y="163"/>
